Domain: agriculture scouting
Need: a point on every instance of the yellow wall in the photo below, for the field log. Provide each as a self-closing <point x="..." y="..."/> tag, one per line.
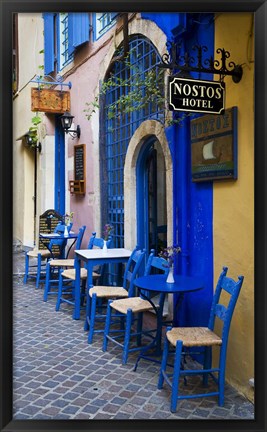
<point x="30" y="41"/>
<point x="233" y="224"/>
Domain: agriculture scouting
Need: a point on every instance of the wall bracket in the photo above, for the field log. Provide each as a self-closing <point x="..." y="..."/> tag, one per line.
<point x="48" y="80"/>
<point x="184" y="63"/>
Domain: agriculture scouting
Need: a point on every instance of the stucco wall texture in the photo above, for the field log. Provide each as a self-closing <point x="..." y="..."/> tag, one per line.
<point x="233" y="217"/>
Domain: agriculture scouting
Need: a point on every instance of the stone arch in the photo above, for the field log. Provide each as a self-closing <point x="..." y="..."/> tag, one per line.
<point x="146" y="28"/>
<point x="146" y="129"/>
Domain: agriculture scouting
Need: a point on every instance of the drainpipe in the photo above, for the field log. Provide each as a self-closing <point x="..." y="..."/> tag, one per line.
<point x="37" y="148"/>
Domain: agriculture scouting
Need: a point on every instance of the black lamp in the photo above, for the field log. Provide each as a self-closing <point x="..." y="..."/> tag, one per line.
<point x="66" y="122"/>
<point x="30" y="139"/>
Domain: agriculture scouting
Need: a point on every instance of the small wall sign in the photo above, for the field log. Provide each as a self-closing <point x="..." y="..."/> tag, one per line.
<point x="196" y="95"/>
<point x="214" y="146"/>
<point x="77" y="186"/>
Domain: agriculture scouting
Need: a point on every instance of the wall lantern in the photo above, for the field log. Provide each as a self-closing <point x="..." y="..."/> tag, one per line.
<point x="30" y="141"/>
<point x="66" y="122"/>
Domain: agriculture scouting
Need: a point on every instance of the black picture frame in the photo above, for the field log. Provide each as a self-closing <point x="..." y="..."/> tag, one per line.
<point x="6" y="202"/>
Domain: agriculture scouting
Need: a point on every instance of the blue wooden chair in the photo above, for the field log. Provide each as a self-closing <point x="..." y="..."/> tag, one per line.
<point x="130" y="307"/>
<point x="43" y="255"/>
<point x="54" y="265"/>
<point x="66" y="287"/>
<point x="97" y="295"/>
<point x="185" y="338"/>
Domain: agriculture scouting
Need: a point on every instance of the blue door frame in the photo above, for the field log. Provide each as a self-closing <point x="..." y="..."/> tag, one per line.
<point x="59" y="192"/>
<point x="142" y="201"/>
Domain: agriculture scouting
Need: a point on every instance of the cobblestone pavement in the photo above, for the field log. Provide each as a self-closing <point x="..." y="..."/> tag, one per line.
<point x="57" y="375"/>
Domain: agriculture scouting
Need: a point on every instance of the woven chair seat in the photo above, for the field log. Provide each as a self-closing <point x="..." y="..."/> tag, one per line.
<point x="43" y="252"/>
<point x="62" y="263"/>
<point x="70" y="274"/>
<point x="108" y="291"/>
<point x="193" y="336"/>
<point x="136" y="304"/>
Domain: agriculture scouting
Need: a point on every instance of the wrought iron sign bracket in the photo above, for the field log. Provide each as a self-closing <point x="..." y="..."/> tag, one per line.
<point x="186" y="63"/>
<point x="52" y="81"/>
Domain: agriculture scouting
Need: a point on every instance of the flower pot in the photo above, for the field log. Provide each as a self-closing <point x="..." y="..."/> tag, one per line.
<point x="170" y="278"/>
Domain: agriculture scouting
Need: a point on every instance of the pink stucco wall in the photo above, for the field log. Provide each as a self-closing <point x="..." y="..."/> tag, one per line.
<point x="84" y="80"/>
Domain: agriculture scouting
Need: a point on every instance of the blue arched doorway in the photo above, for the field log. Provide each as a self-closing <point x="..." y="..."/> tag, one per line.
<point x="151" y="196"/>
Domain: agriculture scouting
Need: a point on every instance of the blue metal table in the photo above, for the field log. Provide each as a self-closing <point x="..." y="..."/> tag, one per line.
<point x="94" y="257"/>
<point x="158" y="284"/>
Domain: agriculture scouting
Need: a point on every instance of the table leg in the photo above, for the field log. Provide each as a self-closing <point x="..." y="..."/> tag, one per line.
<point x="69" y="248"/>
<point x="89" y="267"/>
<point x="176" y="307"/>
<point x="77" y="304"/>
<point x="156" y="343"/>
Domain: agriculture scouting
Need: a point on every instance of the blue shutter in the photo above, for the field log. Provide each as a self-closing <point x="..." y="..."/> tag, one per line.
<point x="113" y="15"/>
<point x="49" y="55"/>
<point x="78" y="30"/>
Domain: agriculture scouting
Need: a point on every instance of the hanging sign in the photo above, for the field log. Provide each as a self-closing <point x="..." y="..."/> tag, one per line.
<point x="50" y="101"/>
<point x="196" y="95"/>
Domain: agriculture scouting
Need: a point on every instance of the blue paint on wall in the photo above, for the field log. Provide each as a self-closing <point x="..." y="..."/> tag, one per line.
<point x="59" y="194"/>
<point x="168" y="22"/>
<point x="192" y="202"/>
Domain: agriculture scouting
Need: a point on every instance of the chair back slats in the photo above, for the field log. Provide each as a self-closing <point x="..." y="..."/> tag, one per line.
<point x="160" y="264"/>
<point x="98" y="242"/>
<point x="80" y="237"/>
<point x="225" y="312"/>
<point x="91" y="241"/>
<point x="220" y="311"/>
<point x="228" y="285"/>
<point x="154" y="265"/>
<point x="132" y="269"/>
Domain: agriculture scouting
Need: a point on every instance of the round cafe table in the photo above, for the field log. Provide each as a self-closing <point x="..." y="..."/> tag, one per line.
<point x="157" y="284"/>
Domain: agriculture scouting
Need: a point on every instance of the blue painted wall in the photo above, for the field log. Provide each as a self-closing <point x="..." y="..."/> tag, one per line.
<point x="59" y="193"/>
<point x="192" y="202"/>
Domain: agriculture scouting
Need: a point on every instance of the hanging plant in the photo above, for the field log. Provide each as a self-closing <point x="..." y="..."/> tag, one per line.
<point x="136" y="91"/>
<point x="33" y="131"/>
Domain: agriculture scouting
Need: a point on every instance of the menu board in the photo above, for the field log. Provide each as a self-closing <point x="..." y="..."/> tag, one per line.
<point x="79" y="162"/>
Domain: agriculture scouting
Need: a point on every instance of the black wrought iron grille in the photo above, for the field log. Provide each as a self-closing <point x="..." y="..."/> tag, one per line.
<point x="121" y="125"/>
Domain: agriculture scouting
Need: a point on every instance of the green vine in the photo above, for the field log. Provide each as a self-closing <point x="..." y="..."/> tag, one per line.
<point x="33" y="130"/>
<point x="36" y="119"/>
<point x="135" y="92"/>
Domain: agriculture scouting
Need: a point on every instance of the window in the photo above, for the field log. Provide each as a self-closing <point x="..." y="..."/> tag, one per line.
<point x="63" y="57"/>
<point x="63" y="33"/>
<point x="119" y="130"/>
<point x="103" y="22"/>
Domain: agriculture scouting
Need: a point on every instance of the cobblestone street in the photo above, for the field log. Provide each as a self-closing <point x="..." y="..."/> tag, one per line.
<point x="57" y="375"/>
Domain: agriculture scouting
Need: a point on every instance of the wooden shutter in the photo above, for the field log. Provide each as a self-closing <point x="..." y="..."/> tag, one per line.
<point x="78" y="30"/>
<point x="49" y="54"/>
